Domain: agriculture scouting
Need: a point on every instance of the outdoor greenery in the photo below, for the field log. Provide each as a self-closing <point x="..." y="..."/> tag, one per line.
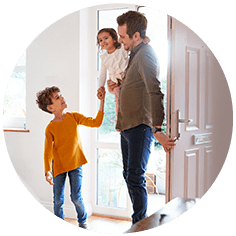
<point x="109" y="121"/>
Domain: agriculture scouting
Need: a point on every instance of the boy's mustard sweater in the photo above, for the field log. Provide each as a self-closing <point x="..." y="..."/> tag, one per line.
<point x="63" y="150"/>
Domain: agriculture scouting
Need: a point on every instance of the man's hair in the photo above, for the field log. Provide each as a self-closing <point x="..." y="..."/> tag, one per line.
<point x="135" y="21"/>
<point x="113" y="34"/>
<point x="44" y="97"/>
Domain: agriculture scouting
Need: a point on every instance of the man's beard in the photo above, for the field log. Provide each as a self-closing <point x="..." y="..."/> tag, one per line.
<point x="131" y="47"/>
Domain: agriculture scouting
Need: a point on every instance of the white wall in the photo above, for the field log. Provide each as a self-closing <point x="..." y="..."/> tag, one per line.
<point x="63" y="55"/>
<point x="52" y="59"/>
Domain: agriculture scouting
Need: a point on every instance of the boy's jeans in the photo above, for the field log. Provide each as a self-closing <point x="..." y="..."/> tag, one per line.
<point x="135" y="145"/>
<point x="75" y="178"/>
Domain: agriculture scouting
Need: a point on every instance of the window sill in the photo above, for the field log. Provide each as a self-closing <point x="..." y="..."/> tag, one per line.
<point x="16" y="130"/>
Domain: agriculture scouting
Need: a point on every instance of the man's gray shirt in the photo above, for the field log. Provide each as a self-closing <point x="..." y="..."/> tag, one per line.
<point x="140" y="97"/>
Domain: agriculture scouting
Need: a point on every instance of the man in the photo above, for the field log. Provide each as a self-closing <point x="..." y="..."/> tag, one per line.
<point x="140" y="111"/>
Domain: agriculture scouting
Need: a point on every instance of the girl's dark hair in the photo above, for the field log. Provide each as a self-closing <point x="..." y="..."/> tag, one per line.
<point x="136" y="22"/>
<point x="44" y="97"/>
<point x="113" y="34"/>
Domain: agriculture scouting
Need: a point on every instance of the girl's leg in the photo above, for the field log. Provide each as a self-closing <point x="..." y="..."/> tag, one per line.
<point x="58" y="194"/>
<point x="75" y="177"/>
<point x="116" y="92"/>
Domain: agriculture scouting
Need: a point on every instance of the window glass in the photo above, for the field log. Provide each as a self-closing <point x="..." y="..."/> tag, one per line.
<point x="111" y="185"/>
<point x="107" y="132"/>
<point x="14" y="107"/>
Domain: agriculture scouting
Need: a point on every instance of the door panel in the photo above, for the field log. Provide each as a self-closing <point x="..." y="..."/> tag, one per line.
<point x="195" y="162"/>
<point x="191" y="171"/>
<point x="192" y="90"/>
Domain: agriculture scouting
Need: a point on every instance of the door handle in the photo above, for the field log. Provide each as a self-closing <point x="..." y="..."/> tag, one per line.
<point x="185" y="120"/>
<point x="181" y="121"/>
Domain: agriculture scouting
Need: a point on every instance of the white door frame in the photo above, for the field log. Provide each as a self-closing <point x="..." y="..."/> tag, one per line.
<point x="170" y="108"/>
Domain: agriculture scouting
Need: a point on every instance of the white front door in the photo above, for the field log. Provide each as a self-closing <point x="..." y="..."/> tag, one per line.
<point x="195" y="80"/>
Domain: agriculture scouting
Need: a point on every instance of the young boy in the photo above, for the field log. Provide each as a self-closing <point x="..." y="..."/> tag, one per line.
<point x="63" y="153"/>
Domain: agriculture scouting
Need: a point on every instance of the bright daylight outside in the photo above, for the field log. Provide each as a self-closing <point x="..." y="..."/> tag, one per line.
<point x="111" y="187"/>
<point x="14" y="107"/>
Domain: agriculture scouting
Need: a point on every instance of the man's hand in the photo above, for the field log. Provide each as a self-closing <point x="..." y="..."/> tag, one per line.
<point x="167" y="143"/>
<point x="49" y="178"/>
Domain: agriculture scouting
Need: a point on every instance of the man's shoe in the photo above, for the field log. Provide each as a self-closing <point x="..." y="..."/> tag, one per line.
<point x="83" y="225"/>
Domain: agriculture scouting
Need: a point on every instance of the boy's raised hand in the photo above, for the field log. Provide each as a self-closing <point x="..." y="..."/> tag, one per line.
<point x="49" y="178"/>
<point x="101" y="93"/>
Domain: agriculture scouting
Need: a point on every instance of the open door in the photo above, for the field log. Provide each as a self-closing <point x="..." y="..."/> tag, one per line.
<point x="200" y="114"/>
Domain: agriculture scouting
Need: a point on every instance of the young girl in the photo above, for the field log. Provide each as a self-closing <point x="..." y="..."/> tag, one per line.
<point x="114" y="59"/>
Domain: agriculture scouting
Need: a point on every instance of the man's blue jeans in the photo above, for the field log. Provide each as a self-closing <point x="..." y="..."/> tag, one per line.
<point x="75" y="178"/>
<point x="135" y="145"/>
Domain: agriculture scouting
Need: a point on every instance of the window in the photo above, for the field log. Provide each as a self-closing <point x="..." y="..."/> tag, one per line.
<point x="110" y="191"/>
<point x="111" y="187"/>
<point x="14" y="107"/>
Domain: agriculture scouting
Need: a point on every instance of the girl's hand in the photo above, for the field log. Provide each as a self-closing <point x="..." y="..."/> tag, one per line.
<point x="146" y="40"/>
<point x="49" y="178"/>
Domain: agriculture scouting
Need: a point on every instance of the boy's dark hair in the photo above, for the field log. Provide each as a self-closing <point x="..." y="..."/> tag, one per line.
<point x="44" y="97"/>
<point x="113" y="34"/>
<point x="136" y="22"/>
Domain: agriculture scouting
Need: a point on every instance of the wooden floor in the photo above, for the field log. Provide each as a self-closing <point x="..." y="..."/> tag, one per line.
<point x="101" y="224"/>
<point x="105" y="225"/>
